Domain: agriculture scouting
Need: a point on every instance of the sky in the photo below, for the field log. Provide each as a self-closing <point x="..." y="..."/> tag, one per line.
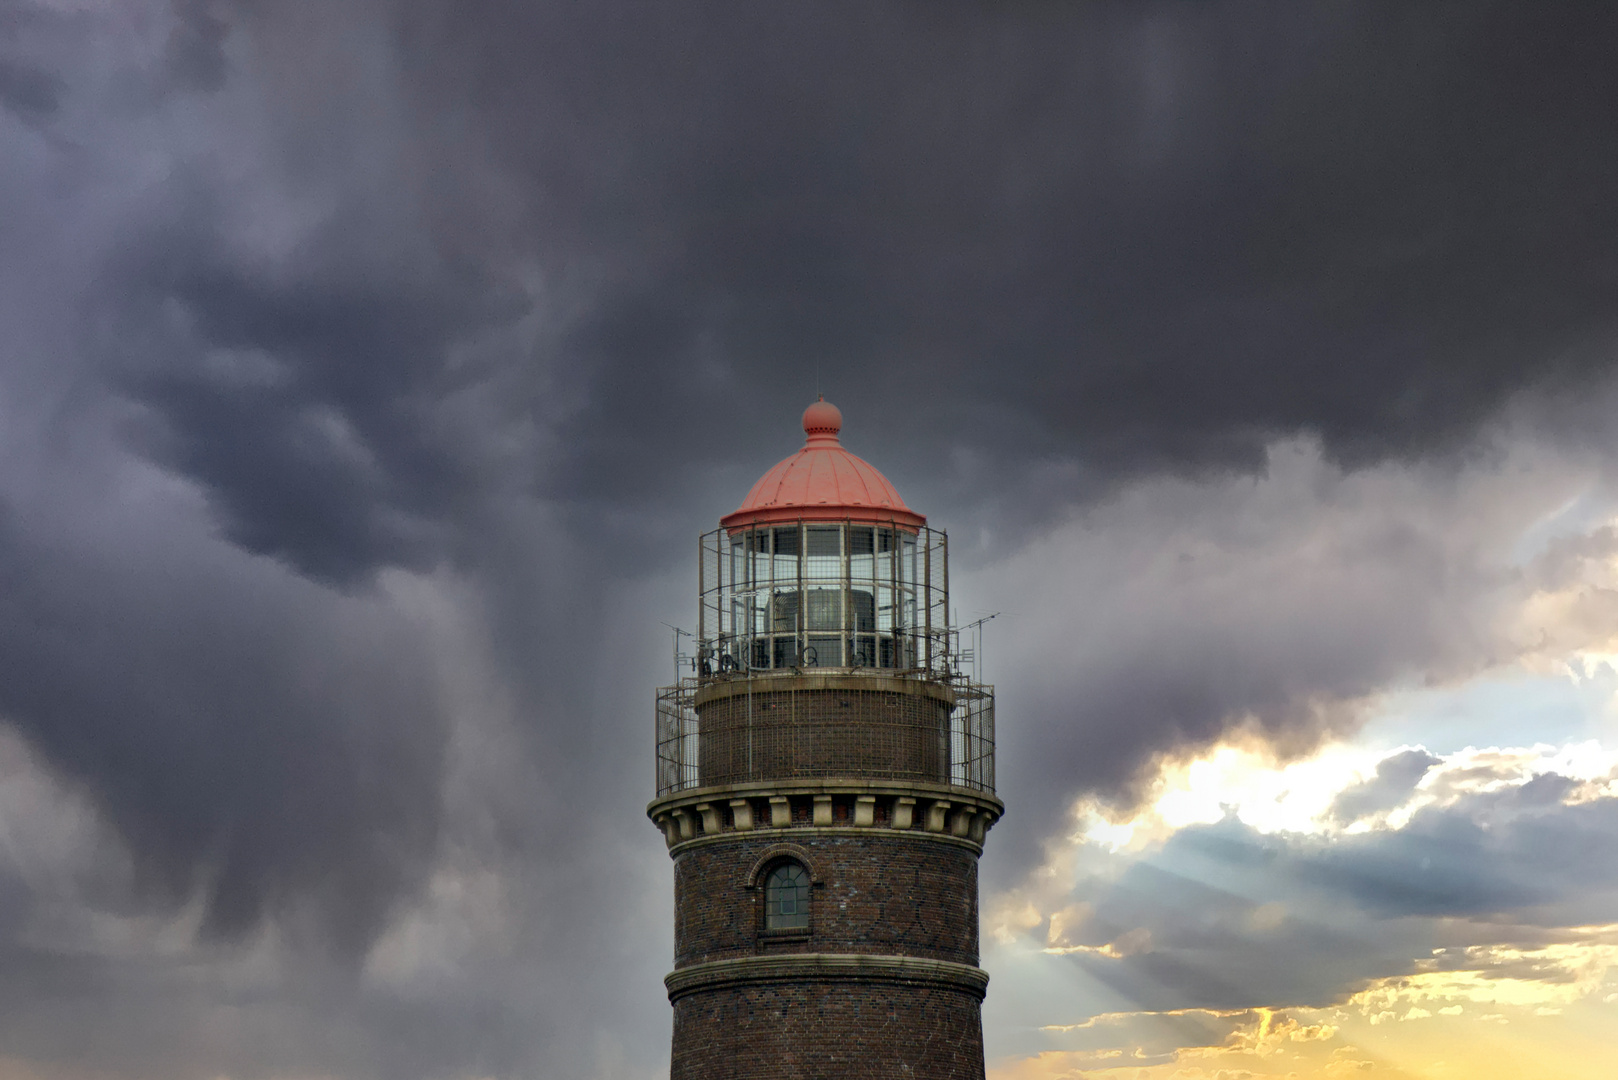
<point x="369" y="367"/>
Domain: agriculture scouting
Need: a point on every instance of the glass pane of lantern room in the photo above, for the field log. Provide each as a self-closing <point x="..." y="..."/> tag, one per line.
<point x="825" y="611"/>
<point x="864" y="613"/>
<point x="823" y="651"/>
<point x="784" y="617"/>
<point x="757" y="583"/>
<point x="786" y="551"/>
<point x="823" y="541"/>
<point x="860" y="541"/>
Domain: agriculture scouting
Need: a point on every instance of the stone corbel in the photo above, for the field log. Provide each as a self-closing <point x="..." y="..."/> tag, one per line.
<point x="822" y="809"/>
<point x="865" y="810"/>
<point x="904" y="812"/>
<point x="780" y="812"/>
<point x="961" y="821"/>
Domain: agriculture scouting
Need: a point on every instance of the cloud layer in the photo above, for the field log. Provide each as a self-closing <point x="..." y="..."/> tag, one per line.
<point x="1483" y="887"/>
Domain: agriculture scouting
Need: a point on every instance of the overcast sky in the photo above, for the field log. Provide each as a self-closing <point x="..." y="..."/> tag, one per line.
<point x="369" y="367"/>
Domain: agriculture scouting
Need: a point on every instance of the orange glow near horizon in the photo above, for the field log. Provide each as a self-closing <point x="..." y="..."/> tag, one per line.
<point x="1474" y="1043"/>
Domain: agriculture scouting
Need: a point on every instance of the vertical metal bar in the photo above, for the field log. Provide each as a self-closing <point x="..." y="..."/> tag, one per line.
<point x="895" y="606"/>
<point x="803" y="598"/>
<point x="927" y="575"/>
<point x="752" y="597"/>
<point x="769" y="603"/>
<point x="702" y="592"/>
<point x="846" y="631"/>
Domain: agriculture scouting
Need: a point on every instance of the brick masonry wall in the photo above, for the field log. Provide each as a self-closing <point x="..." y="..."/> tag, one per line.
<point x="878" y="891"/>
<point x="890" y="894"/>
<point x="779" y="735"/>
<point x="827" y="1031"/>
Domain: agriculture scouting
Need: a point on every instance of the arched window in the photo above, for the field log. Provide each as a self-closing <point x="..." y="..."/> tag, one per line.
<point x="786" y="898"/>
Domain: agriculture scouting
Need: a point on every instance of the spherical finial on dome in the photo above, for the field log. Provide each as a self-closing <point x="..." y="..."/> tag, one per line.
<point x="823" y="482"/>
<point x="822" y="418"/>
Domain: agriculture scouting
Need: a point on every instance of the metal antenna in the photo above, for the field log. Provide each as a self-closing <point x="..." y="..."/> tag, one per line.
<point x="678" y="633"/>
<point x="977" y="644"/>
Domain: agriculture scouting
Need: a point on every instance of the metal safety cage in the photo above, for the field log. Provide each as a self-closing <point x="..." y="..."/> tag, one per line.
<point x="677" y="745"/>
<point x="823" y="594"/>
<point x="775" y="733"/>
<point x="971" y="750"/>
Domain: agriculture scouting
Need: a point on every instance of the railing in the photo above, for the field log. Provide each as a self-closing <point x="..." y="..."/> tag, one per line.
<point x="775" y="734"/>
<point x="677" y="753"/>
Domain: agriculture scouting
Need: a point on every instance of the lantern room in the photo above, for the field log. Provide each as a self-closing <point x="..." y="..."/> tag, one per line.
<point x="823" y="566"/>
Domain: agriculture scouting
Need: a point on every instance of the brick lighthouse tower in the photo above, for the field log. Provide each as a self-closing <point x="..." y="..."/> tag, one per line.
<point x="824" y="782"/>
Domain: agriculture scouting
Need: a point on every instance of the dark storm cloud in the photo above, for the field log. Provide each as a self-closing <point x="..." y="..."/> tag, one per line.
<point x="269" y="751"/>
<point x="28" y="92"/>
<point x="1124" y="235"/>
<point x="307" y="407"/>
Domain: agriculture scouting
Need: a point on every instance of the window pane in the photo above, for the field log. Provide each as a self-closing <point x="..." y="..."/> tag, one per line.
<point x="864" y="610"/>
<point x="824" y="540"/>
<point x="786" y="613"/>
<point x="786" y="898"/>
<point x="823" y="652"/>
<point x="825" y="609"/>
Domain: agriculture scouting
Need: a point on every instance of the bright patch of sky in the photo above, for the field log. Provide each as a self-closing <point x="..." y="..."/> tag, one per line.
<point x="1511" y="706"/>
<point x="1302" y="796"/>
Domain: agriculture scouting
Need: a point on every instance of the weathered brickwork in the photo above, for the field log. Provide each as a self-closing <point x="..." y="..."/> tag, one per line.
<point x="885" y="894"/>
<point x="843" y="732"/>
<point x="853" y="784"/>
<point x="827" y="1031"/>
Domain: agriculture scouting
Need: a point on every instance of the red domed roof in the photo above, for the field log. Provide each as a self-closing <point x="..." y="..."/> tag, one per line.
<point x="822" y="482"/>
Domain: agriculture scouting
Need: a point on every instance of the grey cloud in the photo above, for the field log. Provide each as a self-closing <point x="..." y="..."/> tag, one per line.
<point x="268" y="750"/>
<point x="194" y="52"/>
<point x="331" y="457"/>
<point x="27" y="91"/>
<point x="1239" y="919"/>
<point x="1180" y="612"/>
<point x="1395" y="778"/>
<point x="1518" y="850"/>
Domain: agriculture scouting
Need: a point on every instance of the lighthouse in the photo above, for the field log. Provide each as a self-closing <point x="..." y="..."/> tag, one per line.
<point x="825" y="781"/>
